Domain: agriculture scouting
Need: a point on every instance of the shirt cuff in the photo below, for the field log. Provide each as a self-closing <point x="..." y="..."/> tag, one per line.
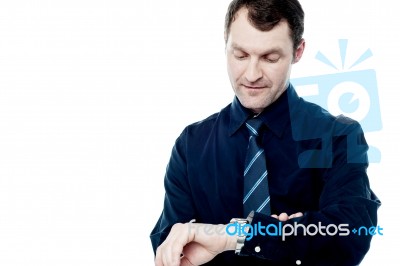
<point x="266" y="246"/>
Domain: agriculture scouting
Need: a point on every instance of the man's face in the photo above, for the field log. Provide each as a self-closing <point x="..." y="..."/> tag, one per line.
<point x="259" y="62"/>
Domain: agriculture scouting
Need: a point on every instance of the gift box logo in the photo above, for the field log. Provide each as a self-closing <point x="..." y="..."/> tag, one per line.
<point x="348" y="92"/>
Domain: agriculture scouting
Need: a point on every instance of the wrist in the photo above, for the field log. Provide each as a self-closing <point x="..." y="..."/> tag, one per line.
<point x="231" y="240"/>
<point x="239" y="239"/>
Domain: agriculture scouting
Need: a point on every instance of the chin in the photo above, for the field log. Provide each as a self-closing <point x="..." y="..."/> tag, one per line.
<point x="257" y="108"/>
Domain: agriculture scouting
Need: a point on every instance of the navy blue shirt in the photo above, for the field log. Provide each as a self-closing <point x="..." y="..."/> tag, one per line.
<point x="316" y="165"/>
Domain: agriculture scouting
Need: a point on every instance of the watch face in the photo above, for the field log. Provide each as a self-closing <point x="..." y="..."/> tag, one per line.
<point x="239" y="220"/>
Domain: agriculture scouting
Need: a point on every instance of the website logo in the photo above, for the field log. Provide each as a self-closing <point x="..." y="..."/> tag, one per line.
<point x="296" y="229"/>
<point x="353" y="93"/>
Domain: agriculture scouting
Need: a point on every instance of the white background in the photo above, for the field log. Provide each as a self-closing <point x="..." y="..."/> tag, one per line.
<point x="94" y="93"/>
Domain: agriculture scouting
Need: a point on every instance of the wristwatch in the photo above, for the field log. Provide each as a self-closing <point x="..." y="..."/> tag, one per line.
<point x="242" y="237"/>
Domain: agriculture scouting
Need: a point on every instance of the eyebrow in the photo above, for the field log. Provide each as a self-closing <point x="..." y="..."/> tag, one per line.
<point x="235" y="46"/>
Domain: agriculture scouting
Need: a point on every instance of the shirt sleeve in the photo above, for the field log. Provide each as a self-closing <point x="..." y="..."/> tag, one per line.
<point x="340" y="231"/>
<point x="178" y="206"/>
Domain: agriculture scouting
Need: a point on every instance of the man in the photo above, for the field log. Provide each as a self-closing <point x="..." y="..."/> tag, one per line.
<point x="310" y="167"/>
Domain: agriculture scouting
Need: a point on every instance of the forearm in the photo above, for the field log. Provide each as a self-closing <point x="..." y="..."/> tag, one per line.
<point x="323" y="236"/>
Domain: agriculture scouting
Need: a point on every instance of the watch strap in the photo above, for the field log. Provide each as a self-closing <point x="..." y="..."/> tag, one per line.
<point x="242" y="237"/>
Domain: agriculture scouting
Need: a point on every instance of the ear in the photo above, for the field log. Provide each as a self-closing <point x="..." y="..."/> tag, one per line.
<point x="299" y="51"/>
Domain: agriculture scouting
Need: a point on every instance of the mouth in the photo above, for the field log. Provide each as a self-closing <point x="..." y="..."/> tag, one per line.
<point x="254" y="87"/>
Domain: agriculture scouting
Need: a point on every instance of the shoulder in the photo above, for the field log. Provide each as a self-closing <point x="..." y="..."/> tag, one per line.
<point x="340" y="137"/>
<point x="311" y="120"/>
<point x="206" y="126"/>
<point x="218" y="118"/>
<point x="315" y="110"/>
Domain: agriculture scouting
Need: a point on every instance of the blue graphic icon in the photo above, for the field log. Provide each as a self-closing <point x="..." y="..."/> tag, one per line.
<point x="351" y="93"/>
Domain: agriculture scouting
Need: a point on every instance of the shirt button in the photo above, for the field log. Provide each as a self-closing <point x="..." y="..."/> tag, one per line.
<point x="257" y="249"/>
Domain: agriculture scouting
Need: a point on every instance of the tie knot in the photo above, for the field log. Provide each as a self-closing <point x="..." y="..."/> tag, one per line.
<point x="254" y="125"/>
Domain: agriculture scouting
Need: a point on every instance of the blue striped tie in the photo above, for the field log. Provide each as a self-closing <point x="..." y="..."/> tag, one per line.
<point x="256" y="192"/>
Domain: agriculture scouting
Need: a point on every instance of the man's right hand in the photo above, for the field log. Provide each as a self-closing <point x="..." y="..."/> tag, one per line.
<point x="193" y="244"/>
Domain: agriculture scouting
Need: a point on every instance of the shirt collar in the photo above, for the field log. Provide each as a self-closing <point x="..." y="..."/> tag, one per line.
<point x="276" y="116"/>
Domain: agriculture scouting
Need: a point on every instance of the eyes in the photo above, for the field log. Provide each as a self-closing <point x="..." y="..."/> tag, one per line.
<point x="270" y="58"/>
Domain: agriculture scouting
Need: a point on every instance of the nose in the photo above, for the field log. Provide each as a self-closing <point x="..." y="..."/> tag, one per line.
<point x="253" y="71"/>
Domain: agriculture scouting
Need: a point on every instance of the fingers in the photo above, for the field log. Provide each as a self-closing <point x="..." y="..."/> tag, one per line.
<point x="166" y="257"/>
<point x="296" y="215"/>
<point x="186" y="262"/>
<point x="169" y="252"/>
<point x="283" y="217"/>
<point x="199" y="243"/>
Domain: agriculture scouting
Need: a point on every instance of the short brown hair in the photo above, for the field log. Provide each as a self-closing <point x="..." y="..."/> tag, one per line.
<point x="265" y="14"/>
